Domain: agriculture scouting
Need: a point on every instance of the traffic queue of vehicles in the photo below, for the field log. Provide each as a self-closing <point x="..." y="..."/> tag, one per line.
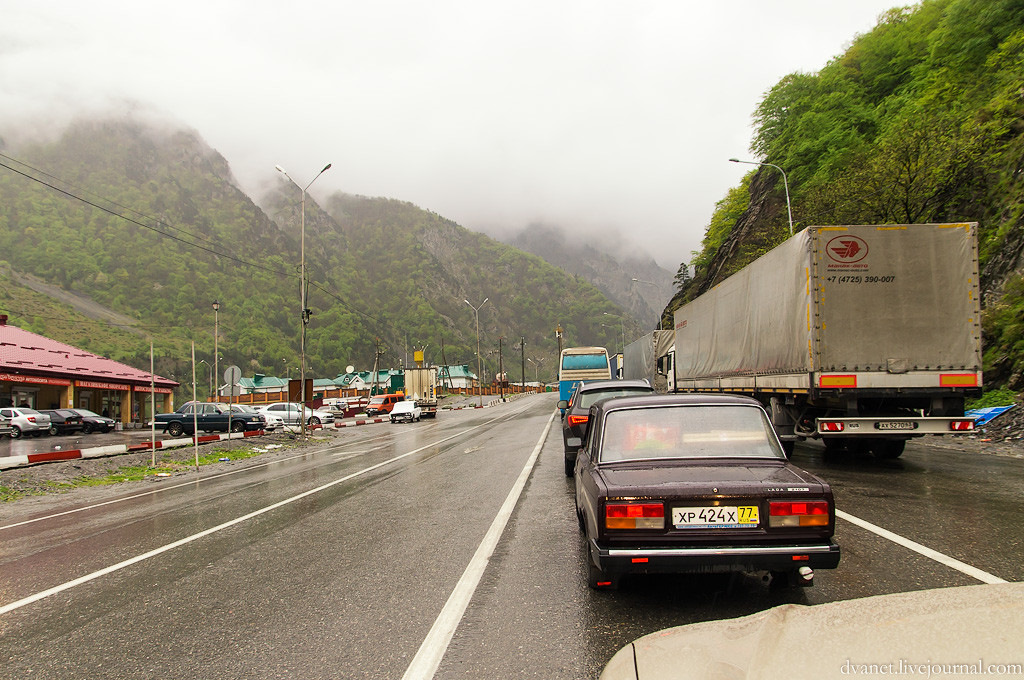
<point x="690" y="484"/>
<point x="861" y="337"/>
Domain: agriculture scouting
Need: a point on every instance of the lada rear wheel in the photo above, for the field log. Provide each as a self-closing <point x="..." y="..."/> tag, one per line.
<point x="175" y="429"/>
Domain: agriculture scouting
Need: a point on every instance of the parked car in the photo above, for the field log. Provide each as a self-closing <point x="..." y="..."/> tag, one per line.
<point x="208" y="417"/>
<point x="5" y="426"/>
<point x="290" y="413"/>
<point x="94" y="422"/>
<point x="406" y="410"/>
<point x="576" y="408"/>
<point x="63" y="421"/>
<point x="26" y="421"/>
<point x="697" y="483"/>
<point x="383" y="403"/>
<point x="272" y="421"/>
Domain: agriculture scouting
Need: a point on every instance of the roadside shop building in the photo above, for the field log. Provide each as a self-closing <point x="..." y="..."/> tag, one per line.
<point x="41" y="373"/>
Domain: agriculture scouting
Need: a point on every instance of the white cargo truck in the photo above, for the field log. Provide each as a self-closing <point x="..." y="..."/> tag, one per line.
<point x="421" y="386"/>
<point x="859" y="336"/>
<point x="650" y="358"/>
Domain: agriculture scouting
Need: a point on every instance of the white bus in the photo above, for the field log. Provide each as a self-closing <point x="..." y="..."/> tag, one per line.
<point x="581" y="363"/>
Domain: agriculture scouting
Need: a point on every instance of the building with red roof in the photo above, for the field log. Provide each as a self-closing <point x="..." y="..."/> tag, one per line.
<point x="41" y="373"/>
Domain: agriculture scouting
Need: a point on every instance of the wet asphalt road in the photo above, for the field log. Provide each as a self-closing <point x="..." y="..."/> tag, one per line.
<point x="346" y="581"/>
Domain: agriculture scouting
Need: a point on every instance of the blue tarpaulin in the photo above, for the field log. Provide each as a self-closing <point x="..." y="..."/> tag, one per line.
<point x="983" y="415"/>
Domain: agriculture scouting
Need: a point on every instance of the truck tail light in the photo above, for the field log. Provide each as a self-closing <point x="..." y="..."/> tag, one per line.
<point x="634" y="516"/>
<point x="798" y="514"/>
<point x="961" y="425"/>
<point x="578" y="420"/>
<point x="830" y="426"/>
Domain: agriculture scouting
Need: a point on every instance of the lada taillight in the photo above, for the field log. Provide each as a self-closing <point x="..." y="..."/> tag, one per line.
<point x="634" y="515"/>
<point x="798" y="513"/>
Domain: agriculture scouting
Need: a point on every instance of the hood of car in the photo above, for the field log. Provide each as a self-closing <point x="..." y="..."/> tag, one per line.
<point x="658" y="477"/>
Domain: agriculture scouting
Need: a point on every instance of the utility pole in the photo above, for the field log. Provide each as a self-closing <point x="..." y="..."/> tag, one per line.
<point x="501" y="371"/>
<point x="522" y="348"/>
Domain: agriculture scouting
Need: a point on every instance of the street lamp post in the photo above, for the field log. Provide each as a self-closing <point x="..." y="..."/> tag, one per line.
<point x="476" y="313"/>
<point x="785" y="182"/>
<point x="649" y="283"/>
<point x="622" y="328"/>
<point x="210" y="369"/>
<point x="536" y="369"/>
<point x="216" y="334"/>
<point x="304" y="312"/>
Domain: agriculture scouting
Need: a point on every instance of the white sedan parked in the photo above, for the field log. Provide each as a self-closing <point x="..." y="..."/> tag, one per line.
<point x="406" y="410"/>
<point x="26" y="421"/>
<point x="290" y="413"/>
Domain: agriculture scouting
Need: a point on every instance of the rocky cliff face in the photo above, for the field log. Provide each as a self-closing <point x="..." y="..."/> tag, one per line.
<point x="760" y="228"/>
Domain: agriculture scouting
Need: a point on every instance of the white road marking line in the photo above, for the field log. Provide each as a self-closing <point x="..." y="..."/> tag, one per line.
<point x="434" y="646"/>
<point x="951" y="562"/>
<point x="188" y="539"/>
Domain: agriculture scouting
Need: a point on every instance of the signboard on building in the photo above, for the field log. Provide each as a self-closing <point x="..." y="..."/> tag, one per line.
<point x="33" y="379"/>
<point x="103" y="385"/>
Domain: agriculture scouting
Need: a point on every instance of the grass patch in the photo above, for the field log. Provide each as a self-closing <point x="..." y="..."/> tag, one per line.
<point x="1000" y="397"/>
<point x="125" y="473"/>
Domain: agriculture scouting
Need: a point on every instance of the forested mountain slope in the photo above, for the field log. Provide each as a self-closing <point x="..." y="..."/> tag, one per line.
<point x="149" y="224"/>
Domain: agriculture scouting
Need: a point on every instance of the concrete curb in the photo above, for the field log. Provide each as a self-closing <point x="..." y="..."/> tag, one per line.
<point x="115" y="449"/>
<point x="359" y="422"/>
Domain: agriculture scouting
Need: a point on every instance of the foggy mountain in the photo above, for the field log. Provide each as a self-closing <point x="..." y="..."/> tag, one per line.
<point x="609" y="262"/>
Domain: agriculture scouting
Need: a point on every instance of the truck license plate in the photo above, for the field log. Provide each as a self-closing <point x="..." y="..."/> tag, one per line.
<point x="896" y="425"/>
<point x="717" y="517"/>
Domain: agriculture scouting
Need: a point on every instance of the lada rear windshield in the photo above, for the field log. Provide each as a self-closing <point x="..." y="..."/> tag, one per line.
<point x="587" y="399"/>
<point x="697" y="431"/>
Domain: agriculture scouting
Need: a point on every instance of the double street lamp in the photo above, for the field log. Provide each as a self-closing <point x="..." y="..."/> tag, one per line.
<point x="622" y="328"/>
<point x="785" y="182"/>
<point x="216" y="333"/>
<point x="476" y="313"/>
<point x="304" y="312"/>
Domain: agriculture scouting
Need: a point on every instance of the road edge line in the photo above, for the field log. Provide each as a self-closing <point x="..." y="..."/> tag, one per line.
<point x="941" y="558"/>
<point x="428" y="658"/>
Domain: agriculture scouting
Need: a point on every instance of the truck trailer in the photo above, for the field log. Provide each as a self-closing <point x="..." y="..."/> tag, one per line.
<point x="859" y="336"/>
<point x="421" y="386"/>
<point x="650" y="358"/>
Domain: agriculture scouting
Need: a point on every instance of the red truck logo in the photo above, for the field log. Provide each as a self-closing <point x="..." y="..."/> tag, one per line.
<point x="847" y="249"/>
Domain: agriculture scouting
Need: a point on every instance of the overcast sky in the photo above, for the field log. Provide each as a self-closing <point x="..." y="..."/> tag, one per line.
<point x="586" y="113"/>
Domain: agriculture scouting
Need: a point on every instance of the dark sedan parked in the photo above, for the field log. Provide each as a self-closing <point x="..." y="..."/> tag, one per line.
<point x="94" y="422"/>
<point x="700" y="484"/>
<point x="577" y="409"/>
<point x="63" y="421"/>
